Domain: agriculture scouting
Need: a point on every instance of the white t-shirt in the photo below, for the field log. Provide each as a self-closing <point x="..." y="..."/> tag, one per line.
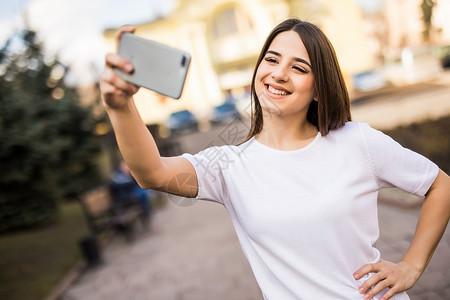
<point x="307" y="219"/>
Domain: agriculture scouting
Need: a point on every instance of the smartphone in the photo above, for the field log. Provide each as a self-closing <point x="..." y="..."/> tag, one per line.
<point x="157" y="67"/>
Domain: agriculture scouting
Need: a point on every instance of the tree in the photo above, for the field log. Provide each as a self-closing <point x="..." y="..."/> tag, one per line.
<point x="427" y="14"/>
<point x="48" y="150"/>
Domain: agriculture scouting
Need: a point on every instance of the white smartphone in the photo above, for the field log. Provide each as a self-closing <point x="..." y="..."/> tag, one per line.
<point x="157" y="67"/>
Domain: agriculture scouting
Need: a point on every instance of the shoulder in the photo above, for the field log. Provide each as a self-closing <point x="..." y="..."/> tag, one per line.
<point x="233" y="150"/>
<point x="217" y="157"/>
<point x="354" y="130"/>
<point x="350" y="131"/>
<point x="357" y="135"/>
<point x="352" y="127"/>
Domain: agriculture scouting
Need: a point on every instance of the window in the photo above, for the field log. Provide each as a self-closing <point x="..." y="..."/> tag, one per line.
<point x="231" y="21"/>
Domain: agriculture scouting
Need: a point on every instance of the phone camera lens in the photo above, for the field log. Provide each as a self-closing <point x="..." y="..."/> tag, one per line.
<point x="183" y="61"/>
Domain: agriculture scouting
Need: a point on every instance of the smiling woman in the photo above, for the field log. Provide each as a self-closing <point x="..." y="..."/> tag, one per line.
<point x="311" y="74"/>
<point x="302" y="189"/>
<point x="284" y="79"/>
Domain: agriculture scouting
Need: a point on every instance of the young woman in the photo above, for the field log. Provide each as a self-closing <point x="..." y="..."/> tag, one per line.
<point x="302" y="189"/>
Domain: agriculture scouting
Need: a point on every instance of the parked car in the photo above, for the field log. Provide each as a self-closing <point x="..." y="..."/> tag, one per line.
<point x="226" y="112"/>
<point x="368" y="81"/>
<point x="413" y="66"/>
<point x="182" y="121"/>
<point x="444" y="54"/>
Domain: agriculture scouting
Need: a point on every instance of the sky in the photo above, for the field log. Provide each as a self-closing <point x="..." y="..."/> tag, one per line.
<point x="73" y="28"/>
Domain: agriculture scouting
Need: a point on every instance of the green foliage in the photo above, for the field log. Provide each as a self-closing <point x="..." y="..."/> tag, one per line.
<point x="48" y="149"/>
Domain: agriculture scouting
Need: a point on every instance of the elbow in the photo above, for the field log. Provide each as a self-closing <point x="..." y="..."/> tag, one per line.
<point x="149" y="184"/>
<point x="144" y="185"/>
<point x="152" y="179"/>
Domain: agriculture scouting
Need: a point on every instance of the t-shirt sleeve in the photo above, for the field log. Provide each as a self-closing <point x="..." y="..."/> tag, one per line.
<point x="209" y="171"/>
<point x="396" y="166"/>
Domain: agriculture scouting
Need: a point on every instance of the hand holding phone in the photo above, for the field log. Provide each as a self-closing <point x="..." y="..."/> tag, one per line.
<point x="157" y="67"/>
<point x="115" y="91"/>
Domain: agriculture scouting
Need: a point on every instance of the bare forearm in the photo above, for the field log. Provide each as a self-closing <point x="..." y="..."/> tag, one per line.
<point x="432" y="223"/>
<point x="135" y="141"/>
<point x="136" y="144"/>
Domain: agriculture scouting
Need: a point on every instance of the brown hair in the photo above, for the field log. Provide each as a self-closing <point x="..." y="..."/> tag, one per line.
<point x="332" y="109"/>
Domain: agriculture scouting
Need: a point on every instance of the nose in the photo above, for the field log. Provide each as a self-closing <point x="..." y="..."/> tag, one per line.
<point x="279" y="74"/>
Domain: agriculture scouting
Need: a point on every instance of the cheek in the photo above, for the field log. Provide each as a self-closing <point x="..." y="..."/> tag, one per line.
<point x="261" y="73"/>
<point x="306" y="86"/>
<point x="258" y="80"/>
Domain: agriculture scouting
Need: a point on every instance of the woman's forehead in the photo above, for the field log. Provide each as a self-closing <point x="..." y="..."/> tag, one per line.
<point x="289" y="45"/>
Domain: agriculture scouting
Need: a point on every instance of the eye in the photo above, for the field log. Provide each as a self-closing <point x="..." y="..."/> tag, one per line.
<point x="270" y="59"/>
<point x="300" y="69"/>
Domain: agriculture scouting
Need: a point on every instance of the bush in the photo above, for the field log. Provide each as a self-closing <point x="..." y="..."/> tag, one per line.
<point x="48" y="149"/>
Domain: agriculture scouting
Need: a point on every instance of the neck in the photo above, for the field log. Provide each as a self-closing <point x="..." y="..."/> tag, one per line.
<point x="286" y="132"/>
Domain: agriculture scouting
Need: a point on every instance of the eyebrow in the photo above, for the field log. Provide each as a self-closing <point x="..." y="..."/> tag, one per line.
<point x="295" y="58"/>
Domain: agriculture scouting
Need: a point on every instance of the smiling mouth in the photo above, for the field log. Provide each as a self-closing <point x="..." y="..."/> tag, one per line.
<point x="276" y="91"/>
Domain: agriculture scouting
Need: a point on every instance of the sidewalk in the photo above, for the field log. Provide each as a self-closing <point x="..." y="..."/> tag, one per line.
<point x="189" y="253"/>
<point x="193" y="253"/>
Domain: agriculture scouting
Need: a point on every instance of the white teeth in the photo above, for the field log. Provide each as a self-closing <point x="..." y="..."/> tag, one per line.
<point x="275" y="91"/>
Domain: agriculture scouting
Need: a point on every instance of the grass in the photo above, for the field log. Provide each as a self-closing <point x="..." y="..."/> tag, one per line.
<point x="32" y="262"/>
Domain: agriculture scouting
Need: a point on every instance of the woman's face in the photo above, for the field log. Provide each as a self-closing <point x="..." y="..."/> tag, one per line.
<point x="284" y="82"/>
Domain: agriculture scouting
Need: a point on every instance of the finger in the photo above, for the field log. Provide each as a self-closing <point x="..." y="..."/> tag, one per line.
<point x="388" y="294"/>
<point x="118" y="83"/>
<point x="121" y="31"/>
<point x="113" y="60"/>
<point x="110" y="77"/>
<point x="110" y="90"/>
<point x="371" y="282"/>
<point x="107" y="89"/>
<point x="380" y="286"/>
<point x="366" y="269"/>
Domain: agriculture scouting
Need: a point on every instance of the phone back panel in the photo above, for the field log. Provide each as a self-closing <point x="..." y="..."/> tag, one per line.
<point x="157" y="67"/>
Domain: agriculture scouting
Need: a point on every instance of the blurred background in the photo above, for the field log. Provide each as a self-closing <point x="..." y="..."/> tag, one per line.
<point x="57" y="143"/>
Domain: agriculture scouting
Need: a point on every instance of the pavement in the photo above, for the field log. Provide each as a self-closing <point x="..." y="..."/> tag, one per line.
<point x="189" y="253"/>
<point x="193" y="253"/>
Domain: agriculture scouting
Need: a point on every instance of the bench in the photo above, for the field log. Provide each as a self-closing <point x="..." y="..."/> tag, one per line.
<point x="105" y="217"/>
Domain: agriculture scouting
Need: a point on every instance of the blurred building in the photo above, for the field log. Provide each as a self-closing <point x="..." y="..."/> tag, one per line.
<point x="440" y="20"/>
<point x="405" y="26"/>
<point x="408" y="46"/>
<point x="224" y="38"/>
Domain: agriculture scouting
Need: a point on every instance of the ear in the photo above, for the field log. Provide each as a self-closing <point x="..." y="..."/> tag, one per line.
<point x="315" y="96"/>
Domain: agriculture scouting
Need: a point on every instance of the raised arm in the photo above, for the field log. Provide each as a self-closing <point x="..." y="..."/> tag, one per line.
<point x="433" y="220"/>
<point x="135" y="141"/>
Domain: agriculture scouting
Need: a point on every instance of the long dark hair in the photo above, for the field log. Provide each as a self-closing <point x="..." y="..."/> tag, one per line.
<point x="332" y="109"/>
